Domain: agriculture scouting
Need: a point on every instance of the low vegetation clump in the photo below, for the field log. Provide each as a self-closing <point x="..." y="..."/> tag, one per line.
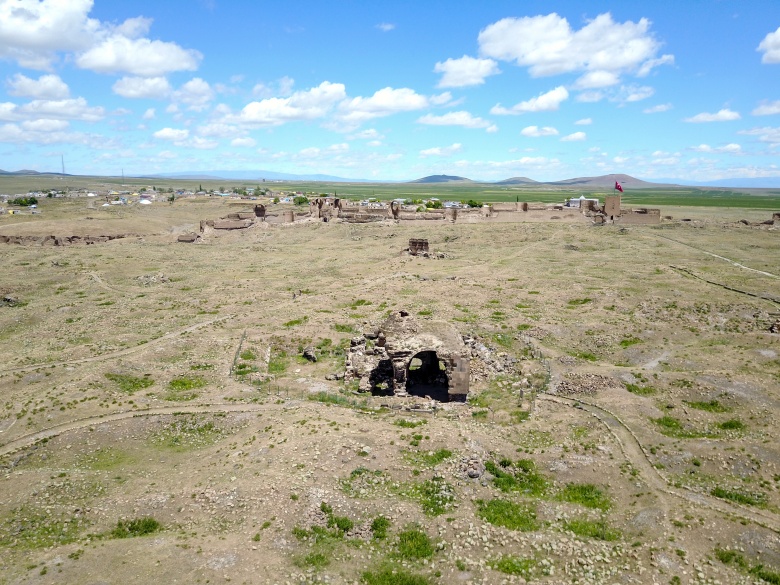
<point x="328" y="398"/>
<point x="508" y="515"/>
<point x="414" y="544"/>
<point x="732" y="557"/>
<point x="379" y="527"/>
<point x="389" y="575"/>
<point x="136" y="527"/>
<point x="512" y="565"/>
<point x="435" y="496"/>
<point x="430" y="458"/>
<point x="597" y="529"/>
<point x="521" y="476"/>
<point x="184" y="388"/>
<point x="671" y="427"/>
<point x="640" y="390"/>
<point x="708" y="405"/>
<point x="296" y="322"/>
<point x="629" y="341"/>
<point x="739" y="497"/>
<point x="409" y="424"/>
<point x="128" y="383"/>
<point x="585" y="494"/>
<point x="732" y="425"/>
<point x="277" y="364"/>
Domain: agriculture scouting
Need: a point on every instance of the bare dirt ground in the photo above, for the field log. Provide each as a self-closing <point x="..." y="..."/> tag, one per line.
<point x="159" y="424"/>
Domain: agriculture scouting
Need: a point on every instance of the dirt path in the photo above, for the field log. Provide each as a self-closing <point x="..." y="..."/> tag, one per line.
<point x="120" y="352"/>
<point x="30" y="439"/>
<point x="636" y="455"/>
<point x="729" y="260"/>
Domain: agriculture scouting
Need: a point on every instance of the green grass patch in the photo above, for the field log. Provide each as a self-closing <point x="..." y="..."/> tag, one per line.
<point x="409" y="424"/>
<point x="629" y="341"/>
<point x="313" y="560"/>
<point x="248" y="355"/>
<point x="757" y="499"/>
<point x="277" y="364"/>
<point x="578" y="302"/>
<point x="29" y="528"/>
<point x="328" y="398"/>
<point x="585" y="494"/>
<point x="512" y="565"/>
<point x="379" y="527"/>
<point x="186" y="383"/>
<point x="521" y="476"/>
<point x="671" y="427"/>
<point x="104" y="459"/>
<point x="414" y="544"/>
<point x="389" y="575"/>
<point x="128" y="383"/>
<point x="585" y="355"/>
<point x="508" y="515"/>
<point x="435" y="496"/>
<point x="732" y="425"/>
<point x="296" y="322"/>
<point x="640" y="390"/>
<point x="343" y="328"/>
<point x="597" y="529"/>
<point x="708" y="405"/>
<point x="429" y="458"/>
<point x="136" y="527"/>
<point x="732" y="557"/>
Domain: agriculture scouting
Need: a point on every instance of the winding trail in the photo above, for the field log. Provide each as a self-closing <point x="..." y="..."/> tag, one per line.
<point x="636" y="455"/>
<point x="119" y="352"/>
<point x="73" y="425"/>
<point x="729" y="260"/>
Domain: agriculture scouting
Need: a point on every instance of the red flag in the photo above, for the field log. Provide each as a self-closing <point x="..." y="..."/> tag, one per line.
<point x="618" y="187"/>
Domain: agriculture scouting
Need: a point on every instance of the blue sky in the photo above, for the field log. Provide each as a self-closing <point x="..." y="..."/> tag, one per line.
<point x="393" y="90"/>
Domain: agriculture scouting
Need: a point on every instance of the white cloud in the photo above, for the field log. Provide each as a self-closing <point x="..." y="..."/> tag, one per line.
<point x="767" y="108"/>
<point x="546" y="102"/>
<point x="632" y="93"/>
<point x="728" y="148"/>
<point x="465" y="71"/>
<point x="384" y="102"/>
<point x="385" y="26"/>
<point x="44" y="125"/>
<point x="724" y="115"/>
<point x="657" y="109"/>
<point x="148" y="114"/>
<point x="142" y="57"/>
<point x="301" y="105"/>
<point x="172" y="134"/>
<point x="282" y="87"/>
<point x="46" y="87"/>
<point x="596" y="79"/>
<point x="68" y="109"/>
<point x="620" y="159"/>
<point x="196" y="94"/>
<point x="590" y="97"/>
<point x="574" y="137"/>
<point x="442" y="99"/>
<point x="461" y="118"/>
<point x="770" y="47"/>
<point x="368" y="134"/>
<point x="535" y="131"/>
<point x="765" y="134"/>
<point x="142" y="87"/>
<point x="651" y="64"/>
<point x="547" y="45"/>
<point x="34" y="32"/>
<point x="243" y="142"/>
<point x="198" y="142"/>
<point x="442" y="150"/>
<point x="584" y="122"/>
<point x="219" y="130"/>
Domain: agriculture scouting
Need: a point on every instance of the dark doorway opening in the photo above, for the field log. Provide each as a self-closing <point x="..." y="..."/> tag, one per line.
<point x="381" y="379"/>
<point x="427" y="376"/>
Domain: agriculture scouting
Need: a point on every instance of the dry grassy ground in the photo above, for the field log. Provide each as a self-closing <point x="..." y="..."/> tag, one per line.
<point x="158" y="423"/>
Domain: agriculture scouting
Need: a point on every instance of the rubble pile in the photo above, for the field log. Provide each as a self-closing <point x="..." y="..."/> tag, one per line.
<point x="487" y="362"/>
<point x="584" y="384"/>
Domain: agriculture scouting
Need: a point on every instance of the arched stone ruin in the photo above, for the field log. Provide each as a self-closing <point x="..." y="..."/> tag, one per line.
<point x="408" y="357"/>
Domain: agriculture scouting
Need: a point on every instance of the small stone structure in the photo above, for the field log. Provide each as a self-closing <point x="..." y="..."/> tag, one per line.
<point x="410" y="357"/>
<point x="418" y="246"/>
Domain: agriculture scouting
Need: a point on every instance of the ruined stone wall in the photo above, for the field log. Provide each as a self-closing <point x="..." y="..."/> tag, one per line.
<point x="639" y="216"/>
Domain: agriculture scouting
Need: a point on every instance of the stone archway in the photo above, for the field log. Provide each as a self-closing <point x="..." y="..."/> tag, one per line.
<point x="426" y="375"/>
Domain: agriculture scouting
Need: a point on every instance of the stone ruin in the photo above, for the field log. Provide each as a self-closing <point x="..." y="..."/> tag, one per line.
<point x="407" y="357"/>
<point x="418" y="246"/>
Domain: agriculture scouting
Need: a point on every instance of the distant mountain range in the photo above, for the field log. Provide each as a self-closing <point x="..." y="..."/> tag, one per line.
<point x="599" y="182"/>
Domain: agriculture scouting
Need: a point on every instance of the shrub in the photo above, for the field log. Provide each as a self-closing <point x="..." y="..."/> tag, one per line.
<point x="135" y="527"/>
<point x="379" y="526"/>
<point x="738" y="497"/>
<point x="733" y="425"/>
<point x="128" y="383"/>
